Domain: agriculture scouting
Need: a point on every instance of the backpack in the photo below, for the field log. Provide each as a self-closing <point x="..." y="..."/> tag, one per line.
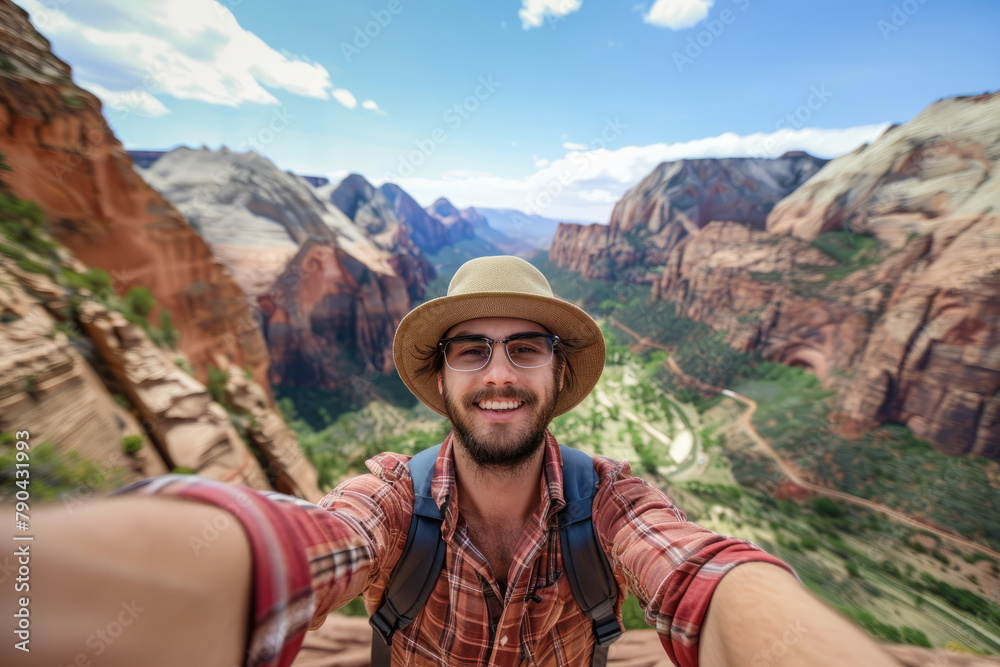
<point x="584" y="561"/>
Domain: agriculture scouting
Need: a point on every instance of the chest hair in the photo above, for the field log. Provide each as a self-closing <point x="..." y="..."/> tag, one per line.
<point x="497" y="541"/>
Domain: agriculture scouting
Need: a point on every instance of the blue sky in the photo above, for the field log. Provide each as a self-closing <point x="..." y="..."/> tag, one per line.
<point x="556" y="107"/>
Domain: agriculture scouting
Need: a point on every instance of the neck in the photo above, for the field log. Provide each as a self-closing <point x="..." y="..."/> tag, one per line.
<point x="506" y="492"/>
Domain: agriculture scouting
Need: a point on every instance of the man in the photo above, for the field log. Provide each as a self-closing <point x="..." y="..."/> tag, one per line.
<point x="500" y="356"/>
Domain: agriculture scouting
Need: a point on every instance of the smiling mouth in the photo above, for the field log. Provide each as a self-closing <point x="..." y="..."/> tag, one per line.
<point x="500" y="405"/>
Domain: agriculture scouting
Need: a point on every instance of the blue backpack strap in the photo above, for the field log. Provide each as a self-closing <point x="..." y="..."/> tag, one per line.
<point x="590" y="576"/>
<point x="418" y="567"/>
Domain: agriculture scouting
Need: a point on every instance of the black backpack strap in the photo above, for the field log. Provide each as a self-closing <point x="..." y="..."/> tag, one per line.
<point x="418" y="567"/>
<point x="590" y="576"/>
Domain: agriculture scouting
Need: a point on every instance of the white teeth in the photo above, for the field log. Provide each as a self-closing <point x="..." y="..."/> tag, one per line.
<point x="499" y="405"/>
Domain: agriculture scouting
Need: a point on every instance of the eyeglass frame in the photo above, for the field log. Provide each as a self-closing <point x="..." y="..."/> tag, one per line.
<point x="443" y="343"/>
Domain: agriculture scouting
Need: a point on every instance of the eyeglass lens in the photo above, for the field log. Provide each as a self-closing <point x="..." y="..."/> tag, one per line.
<point x="472" y="355"/>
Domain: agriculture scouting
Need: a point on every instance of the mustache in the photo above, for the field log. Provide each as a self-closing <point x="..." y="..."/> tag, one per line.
<point x="512" y="393"/>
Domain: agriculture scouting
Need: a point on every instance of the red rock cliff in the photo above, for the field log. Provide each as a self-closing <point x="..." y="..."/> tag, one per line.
<point x="65" y="157"/>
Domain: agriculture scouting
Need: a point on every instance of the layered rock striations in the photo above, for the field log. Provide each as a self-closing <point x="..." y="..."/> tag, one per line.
<point x="65" y="157"/>
<point x="932" y="359"/>
<point x="329" y="289"/>
<point x="675" y="201"/>
<point x="884" y="265"/>
<point x="328" y="316"/>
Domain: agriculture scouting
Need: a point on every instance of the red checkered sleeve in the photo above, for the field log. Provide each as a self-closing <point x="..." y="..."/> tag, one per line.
<point x="306" y="559"/>
<point x="669" y="563"/>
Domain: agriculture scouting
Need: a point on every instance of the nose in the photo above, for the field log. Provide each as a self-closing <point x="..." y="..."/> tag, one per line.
<point x="499" y="371"/>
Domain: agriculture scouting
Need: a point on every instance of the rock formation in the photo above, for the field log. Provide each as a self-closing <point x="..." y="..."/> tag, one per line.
<point x="74" y="369"/>
<point x="345" y="641"/>
<point x="928" y="191"/>
<point x="458" y="225"/>
<point x="65" y="157"/>
<point x="328" y="316"/>
<point x="673" y="202"/>
<point x="884" y="265"/>
<point x="43" y="373"/>
<point x="388" y="211"/>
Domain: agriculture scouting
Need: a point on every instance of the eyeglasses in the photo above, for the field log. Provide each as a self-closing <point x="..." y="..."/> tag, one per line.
<point x="472" y="353"/>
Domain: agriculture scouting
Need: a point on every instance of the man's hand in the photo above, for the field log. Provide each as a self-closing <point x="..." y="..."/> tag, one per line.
<point x="761" y="616"/>
<point x="116" y="582"/>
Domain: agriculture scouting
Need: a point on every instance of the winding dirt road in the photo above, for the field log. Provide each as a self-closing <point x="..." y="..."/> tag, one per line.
<point x="746" y="421"/>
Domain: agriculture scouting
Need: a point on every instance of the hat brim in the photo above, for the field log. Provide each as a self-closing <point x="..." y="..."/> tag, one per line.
<point x="426" y="324"/>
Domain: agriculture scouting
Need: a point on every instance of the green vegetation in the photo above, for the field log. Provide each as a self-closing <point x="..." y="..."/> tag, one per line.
<point x="53" y="473"/>
<point x="132" y="443"/>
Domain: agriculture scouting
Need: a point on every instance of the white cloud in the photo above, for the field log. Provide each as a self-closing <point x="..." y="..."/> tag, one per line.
<point x="539" y="162"/>
<point x="533" y="12"/>
<point x="189" y="49"/>
<point x="370" y="105"/>
<point x="585" y="184"/>
<point x="136" y="101"/>
<point x="344" y="97"/>
<point x="677" y="14"/>
<point x="572" y="146"/>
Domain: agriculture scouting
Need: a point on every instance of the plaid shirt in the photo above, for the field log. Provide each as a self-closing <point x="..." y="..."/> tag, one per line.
<point x="309" y="561"/>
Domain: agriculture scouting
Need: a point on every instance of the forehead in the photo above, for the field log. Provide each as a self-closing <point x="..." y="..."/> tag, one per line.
<point x="495" y="327"/>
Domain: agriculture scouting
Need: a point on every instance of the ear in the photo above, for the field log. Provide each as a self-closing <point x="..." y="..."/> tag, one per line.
<point x="440" y="384"/>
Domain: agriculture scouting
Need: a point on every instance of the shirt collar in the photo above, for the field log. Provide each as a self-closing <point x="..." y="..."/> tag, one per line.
<point x="444" y="487"/>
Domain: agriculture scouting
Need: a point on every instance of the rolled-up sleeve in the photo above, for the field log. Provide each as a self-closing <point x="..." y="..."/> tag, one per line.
<point x="669" y="563"/>
<point x="307" y="559"/>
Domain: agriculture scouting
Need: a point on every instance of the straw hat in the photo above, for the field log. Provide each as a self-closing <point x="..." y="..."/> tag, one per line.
<point x="501" y="286"/>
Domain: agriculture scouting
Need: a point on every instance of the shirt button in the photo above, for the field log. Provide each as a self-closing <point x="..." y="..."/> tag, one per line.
<point x="503" y="640"/>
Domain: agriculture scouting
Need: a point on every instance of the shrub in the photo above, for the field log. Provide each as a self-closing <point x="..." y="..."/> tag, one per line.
<point x="139" y="301"/>
<point x="132" y="443"/>
<point x="827" y="508"/>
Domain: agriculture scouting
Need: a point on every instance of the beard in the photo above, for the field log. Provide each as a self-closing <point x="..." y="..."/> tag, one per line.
<point x="500" y="446"/>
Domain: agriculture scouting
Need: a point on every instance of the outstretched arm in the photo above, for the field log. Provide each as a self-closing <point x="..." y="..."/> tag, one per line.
<point x="116" y="582"/>
<point x="760" y="616"/>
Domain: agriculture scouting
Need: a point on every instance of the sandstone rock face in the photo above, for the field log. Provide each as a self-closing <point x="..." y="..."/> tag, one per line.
<point x="711" y="278"/>
<point x="345" y="641"/>
<point x="931" y="360"/>
<point x="287" y="465"/>
<point x="674" y="201"/>
<point x="329" y="316"/>
<point x="43" y="375"/>
<point x="913" y="314"/>
<point x="65" y="157"/>
<point x="189" y="429"/>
